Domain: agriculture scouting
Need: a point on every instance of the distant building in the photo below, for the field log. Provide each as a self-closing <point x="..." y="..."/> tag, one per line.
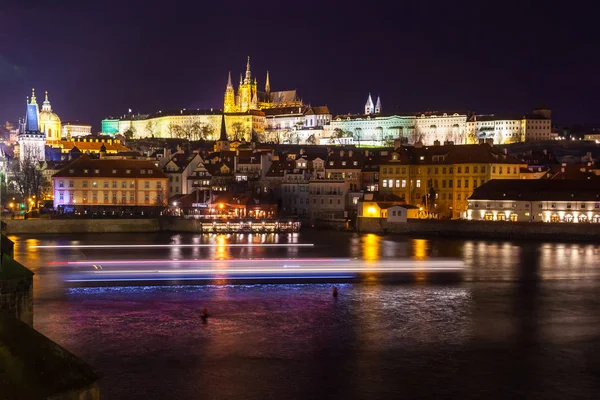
<point x="377" y="129"/>
<point x="542" y="200"/>
<point x="75" y="129"/>
<point x="187" y="124"/>
<point x="533" y="127"/>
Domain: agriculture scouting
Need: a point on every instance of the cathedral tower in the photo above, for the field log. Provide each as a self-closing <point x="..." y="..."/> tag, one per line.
<point x="229" y="104"/>
<point x="378" y="106"/>
<point x="369" y="108"/>
<point x="247" y="91"/>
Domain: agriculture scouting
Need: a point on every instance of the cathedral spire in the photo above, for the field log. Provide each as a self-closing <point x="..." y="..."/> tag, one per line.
<point x="241" y="81"/>
<point x="229" y="80"/>
<point x="369" y="105"/>
<point x="378" y="106"/>
<point x="248" y="78"/>
<point x="267" y="84"/>
<point x="33" y="100"/>
<point x="46" y="105"/>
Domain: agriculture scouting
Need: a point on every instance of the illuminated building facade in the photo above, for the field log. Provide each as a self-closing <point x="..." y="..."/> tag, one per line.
<point x="188" y="124"/>
<point x="451" y="171"/>
<point x="249" y="98"/>
<point x="376" y="129"/>
<point x="296" y="125"/>
<point x="75" y="129"/>
<point x="541" y="200"/>
<point x="103" y="184"/>
<point x="533" y="127"/>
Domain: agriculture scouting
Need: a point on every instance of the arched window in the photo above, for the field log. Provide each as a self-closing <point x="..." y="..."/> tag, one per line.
<point x="568" y="218"/>
<point x="582" y="218"/>
<point x="489" y="216"/>
<point x="514" y="217"/>
<point x="596" y="219"/>
<point x="501" y="217"/>
<point x="554" y="218"/>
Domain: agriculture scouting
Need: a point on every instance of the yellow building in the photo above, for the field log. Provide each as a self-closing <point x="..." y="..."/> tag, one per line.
<point x="192" y="124"/>
<point x="440" y="179"/>
<point x="49" y="122"/>
<point x="106" y="184"/>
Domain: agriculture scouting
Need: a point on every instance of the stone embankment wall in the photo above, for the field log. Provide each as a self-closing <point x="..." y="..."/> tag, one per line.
<point x="485" y="229"/>
<point x="15" y="227"/>
<point x="16" y="297"/>
<point x="180" y="225"/>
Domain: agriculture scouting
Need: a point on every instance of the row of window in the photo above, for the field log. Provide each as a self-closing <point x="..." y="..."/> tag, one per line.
<point x="582" y="206"/>
<point x="292" y="188"/>
<point x="85" y="197"/>
<point x="460" y="183"/>
<point x="114" y="171"/>
<point x="114" y="185"/>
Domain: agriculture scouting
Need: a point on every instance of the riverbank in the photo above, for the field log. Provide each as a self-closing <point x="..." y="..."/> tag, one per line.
<point x="424" y="228"/>
<point x="484" y="229"/>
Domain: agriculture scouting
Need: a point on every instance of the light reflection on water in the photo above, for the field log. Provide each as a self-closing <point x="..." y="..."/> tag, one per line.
<point x="525" y="321"/>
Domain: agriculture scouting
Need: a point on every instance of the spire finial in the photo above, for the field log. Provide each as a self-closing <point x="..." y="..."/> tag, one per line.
<point x="229" y="80"/>
<point x="267" y="84"/>
<point x="33" y="101"/>
<point x="46" y="92"/>
<point x="248" y="78"/>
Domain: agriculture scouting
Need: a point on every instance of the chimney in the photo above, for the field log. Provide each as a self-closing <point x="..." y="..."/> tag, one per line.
<point x="341" y="153"/>
<point x="436" y="143"/>
<point x="505" y="150"/>
<point x="350" y="153"/>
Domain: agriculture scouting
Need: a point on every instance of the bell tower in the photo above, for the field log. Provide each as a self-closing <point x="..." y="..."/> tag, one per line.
<point x="32" y="142"/>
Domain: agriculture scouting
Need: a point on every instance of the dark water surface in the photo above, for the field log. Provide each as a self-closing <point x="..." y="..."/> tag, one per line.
<point x="524" y="323"/>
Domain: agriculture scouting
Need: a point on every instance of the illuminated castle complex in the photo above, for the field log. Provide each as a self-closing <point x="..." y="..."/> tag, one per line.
<point x="249" y="98"/>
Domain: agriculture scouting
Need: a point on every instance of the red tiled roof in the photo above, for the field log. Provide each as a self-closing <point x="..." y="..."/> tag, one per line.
<point x="110" y="168"/>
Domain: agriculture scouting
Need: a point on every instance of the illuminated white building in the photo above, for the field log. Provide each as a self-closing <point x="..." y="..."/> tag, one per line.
<point x="378" y="129"/>
<point x="75" y="129"/>
<point x="541" y="200"/>
<point x="533" y="127"/>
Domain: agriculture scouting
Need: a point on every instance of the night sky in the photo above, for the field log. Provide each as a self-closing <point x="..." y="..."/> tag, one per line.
<point x="99" y="58"/>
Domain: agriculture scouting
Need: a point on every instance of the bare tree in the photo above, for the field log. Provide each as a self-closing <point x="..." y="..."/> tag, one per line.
<point x="29" y="179"/>
<point x="239" y="132"/>
<point x="174" y="130"/>
<point x="150" y="128"/>
<point x="206" y="132"/>
<point x="311" y="140"/>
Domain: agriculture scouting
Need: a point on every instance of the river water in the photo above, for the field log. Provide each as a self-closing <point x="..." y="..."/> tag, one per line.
<point x="524" y="322"/>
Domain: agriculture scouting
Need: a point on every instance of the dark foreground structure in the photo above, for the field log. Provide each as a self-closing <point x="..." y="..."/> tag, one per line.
<point x="31" y="365"/>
